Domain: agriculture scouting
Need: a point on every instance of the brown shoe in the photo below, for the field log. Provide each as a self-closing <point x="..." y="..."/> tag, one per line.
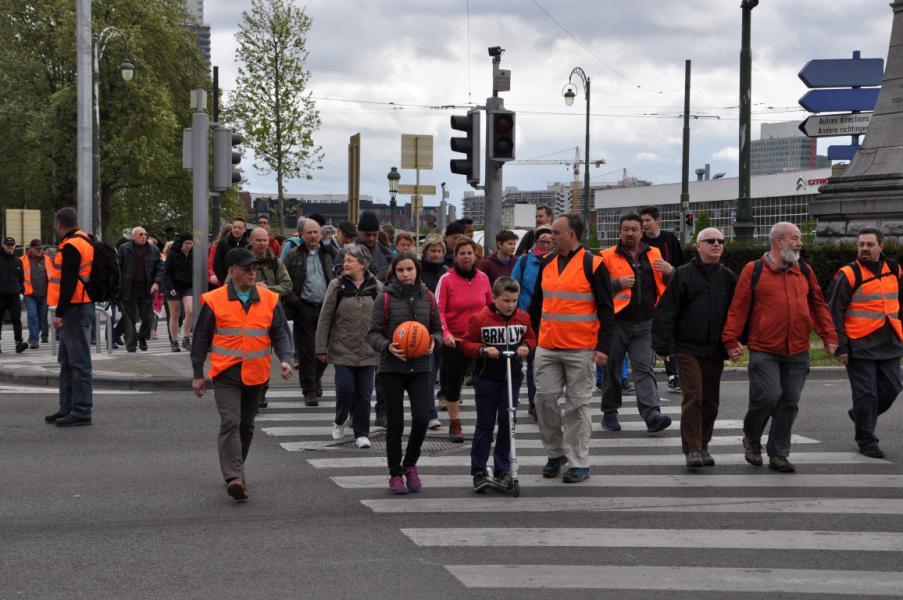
<point x="310" y="399"/>
<point x="237" y="490"/>
<point x="780" y="464"/>
<point x="752" y="452"/>
<point x="455" y="434"/>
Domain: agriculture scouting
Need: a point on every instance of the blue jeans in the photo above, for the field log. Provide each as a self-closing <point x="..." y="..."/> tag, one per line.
<point x="353" y="388"/>
<point x="74" y="357"/>
<point x="36" y="309"/>
<point x="875" y="385"/>
<point x="492" y="405"/>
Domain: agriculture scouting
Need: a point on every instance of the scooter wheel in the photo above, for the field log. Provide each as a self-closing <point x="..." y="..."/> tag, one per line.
<point x="515" y="489"/>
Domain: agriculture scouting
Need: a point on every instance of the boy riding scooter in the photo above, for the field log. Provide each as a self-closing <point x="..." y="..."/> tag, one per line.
<point x="498" y="333"/>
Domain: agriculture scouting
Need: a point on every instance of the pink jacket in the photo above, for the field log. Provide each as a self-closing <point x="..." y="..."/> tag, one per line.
<point x="459" y="298"/>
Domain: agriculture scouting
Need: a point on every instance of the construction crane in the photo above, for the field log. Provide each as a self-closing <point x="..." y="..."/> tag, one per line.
<point x="576" y="196"/>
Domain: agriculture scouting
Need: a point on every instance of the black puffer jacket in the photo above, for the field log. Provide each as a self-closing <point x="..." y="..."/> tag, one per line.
<point x="691" y="313"/>
<point x="178" y="269"/>
<point x="406" y="303"/>
<point x="431" y="272"/>
<point x="11" y="277"/>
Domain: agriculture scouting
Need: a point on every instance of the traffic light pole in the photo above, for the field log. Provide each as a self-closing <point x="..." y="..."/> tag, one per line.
<point x="685" y="232"/>
<point x="493" y="187"/>
<point x="200" y="132"/>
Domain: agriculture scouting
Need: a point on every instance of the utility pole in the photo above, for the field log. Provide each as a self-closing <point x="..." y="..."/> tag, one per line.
<point x="216" y="204"/>
<point x="84" y="114"/>
<point x="200" y="135"/>
<point x="744" y="227"/>
<point x="501" y="82"/>
<point x="685" y="167"/>
<point x="443" y="210"/>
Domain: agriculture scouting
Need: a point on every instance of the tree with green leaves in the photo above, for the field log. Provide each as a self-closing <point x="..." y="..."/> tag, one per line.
<point x="142" y="181"/>
<point x="271" y="106"/>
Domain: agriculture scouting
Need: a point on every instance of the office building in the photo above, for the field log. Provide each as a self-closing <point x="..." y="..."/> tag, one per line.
<point x="783" y="148"/>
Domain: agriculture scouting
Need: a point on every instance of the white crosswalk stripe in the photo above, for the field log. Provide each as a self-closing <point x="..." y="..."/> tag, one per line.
<point x="632" y="473"/>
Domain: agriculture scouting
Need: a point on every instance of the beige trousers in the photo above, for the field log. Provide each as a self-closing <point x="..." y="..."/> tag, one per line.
<point x="568" y="373"/>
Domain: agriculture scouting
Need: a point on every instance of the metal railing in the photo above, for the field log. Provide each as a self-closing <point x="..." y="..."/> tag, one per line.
<point x="99" y="314"/>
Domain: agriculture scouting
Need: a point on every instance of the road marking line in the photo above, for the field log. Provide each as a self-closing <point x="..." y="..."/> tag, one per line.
<point x="739" y="539"/>
<point x="763" y="480"/>
<point x="618" y="577"/>
<point x="654" y="504"/>
<point x="604" y="460"/>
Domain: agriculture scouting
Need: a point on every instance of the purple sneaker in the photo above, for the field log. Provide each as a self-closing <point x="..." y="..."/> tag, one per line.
<point x="396" y="485"/>
<point x="414" y="483"/>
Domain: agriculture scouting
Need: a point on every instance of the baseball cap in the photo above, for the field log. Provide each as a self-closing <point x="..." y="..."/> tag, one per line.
<point x="239" y="257"/>
<point x="9" y="241"/>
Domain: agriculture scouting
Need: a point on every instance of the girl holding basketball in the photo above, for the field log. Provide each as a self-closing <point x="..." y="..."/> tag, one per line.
<point x="403" y="368"/>
<point x="462" y="292"/>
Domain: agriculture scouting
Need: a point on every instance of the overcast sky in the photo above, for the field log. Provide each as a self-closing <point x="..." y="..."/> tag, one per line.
<point x="364" y="53"/>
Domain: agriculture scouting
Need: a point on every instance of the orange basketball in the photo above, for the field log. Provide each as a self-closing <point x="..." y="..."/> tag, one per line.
<point x="413" y="338"/>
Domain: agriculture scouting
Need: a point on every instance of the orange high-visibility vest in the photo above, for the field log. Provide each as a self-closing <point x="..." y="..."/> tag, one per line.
<point x="619" y="266"/>
<point x="86" y="250"/>
<point x="873" y="302"/>
<point x="26" y="270"/>
<point x="241" y="337"/>
<point x="569" y="317"/>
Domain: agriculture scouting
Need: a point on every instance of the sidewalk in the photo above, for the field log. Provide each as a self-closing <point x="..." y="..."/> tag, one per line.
<point x="157" y="369"/>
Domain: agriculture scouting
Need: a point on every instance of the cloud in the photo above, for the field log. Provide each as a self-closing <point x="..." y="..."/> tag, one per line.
<point x="727" y="153"/>
<point x="648" y="157"/>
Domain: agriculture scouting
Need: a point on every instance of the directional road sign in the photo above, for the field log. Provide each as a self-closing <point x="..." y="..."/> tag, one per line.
<point x="843" y="72"/>
<point x="832" y="125"/>
<point x="838" y="100"/>
<point x="407" y="188"/>
<point x="844" y="152"/>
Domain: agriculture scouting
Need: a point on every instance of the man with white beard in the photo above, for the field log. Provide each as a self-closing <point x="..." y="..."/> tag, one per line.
<point x="776" y="303"/>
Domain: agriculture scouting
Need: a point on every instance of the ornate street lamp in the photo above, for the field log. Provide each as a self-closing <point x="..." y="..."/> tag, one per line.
<point x="394" y="176"/>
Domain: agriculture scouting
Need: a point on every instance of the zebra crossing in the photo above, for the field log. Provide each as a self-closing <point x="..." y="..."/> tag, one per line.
<point x="632" y="473"/>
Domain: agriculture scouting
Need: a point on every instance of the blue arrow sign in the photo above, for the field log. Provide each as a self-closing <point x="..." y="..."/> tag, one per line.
<point x="839" y="100"/>
<point x="842" y="72"/>
<point x="842" y="152"/>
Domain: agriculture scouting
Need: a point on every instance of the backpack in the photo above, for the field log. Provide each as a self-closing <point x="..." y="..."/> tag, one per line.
<point x="756" y="274"/>
<point x="102" y="284"/>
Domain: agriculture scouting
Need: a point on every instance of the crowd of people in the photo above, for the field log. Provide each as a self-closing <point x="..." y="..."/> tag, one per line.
<point x="559" y="312"/>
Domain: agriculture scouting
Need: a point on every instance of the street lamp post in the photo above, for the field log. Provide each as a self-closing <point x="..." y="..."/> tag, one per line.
<point x="127" y="70"/>
<point x="394" y="176"/>
<point x="745" y="227"/>
<point x="570" y="92"/>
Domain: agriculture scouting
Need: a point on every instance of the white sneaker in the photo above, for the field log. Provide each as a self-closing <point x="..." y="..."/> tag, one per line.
<point x="362" y="442"/>
<point x="338" y="431"/>
<point x="434" y="424"/>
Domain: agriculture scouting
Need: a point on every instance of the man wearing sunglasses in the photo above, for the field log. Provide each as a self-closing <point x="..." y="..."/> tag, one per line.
<point x="775" y="321"/>
<point x="687" y="328"/>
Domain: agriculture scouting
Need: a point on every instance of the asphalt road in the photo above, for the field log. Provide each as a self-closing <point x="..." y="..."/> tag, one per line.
<point x="134" y="507"/>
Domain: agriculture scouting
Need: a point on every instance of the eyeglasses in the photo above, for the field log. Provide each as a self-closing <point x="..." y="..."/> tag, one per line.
<point x="713" y="241"/>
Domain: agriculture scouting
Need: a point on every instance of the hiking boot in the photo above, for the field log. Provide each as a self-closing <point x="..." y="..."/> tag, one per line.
<point x="780" y="464"/>
<point x="186" y="342"/>
<point x="553" y="466"/>
<point x="237" y="490"/>
<point x="752" y="452"/>
<point x="396" y="485"/>
<point x="480" y="482"/>
<point x="576" y="475"/>
<point x="310" y="399"/>
<point x="610" y="422"/>
<point x="658" y="422"/>
<point x="413" y="478"/>
<point x="455" y="433"/>
<point x="872" y="452"/>
<point x="707" y="459"/>
<point x="694" y="460"/>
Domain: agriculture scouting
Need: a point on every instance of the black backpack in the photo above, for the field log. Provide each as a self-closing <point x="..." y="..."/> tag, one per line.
<point x="102" y="284"/>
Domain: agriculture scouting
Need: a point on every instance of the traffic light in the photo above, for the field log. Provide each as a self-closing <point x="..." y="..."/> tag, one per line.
<point x="689" y="221"/>
<point x="470" y="146"/>
<point x="224" y="157"/>
<point x="500" y="134"/>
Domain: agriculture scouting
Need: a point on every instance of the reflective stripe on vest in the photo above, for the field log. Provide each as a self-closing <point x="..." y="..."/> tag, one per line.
<point x="241" y="337"/>
<point x="86" y="252"/>
<point x="874" y="302"/>
<point x="569" y="312"/>
<point x="26" y="272"/>
<point x="618" y="266"/>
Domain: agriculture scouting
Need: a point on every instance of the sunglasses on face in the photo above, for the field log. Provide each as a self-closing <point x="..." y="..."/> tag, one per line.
<point x="713" y="241"/>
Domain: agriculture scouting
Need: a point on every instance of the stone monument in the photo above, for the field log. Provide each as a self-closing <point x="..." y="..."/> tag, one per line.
<point x="869" y="193"/>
